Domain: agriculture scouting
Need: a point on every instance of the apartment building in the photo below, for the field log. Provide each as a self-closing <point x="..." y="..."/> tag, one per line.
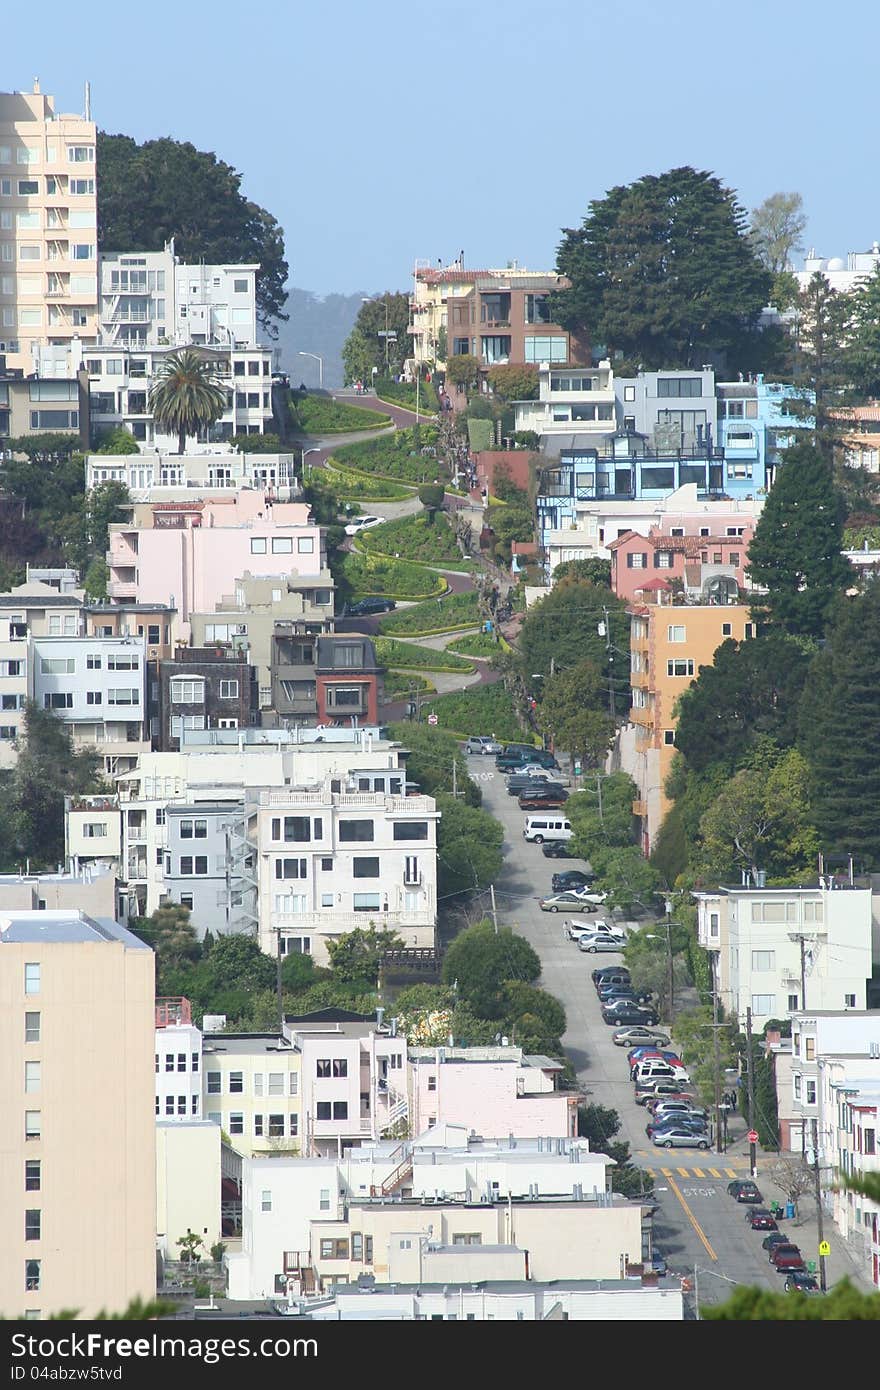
<point x="857" y="1217"/>
<point x="828" y="1048"/>
<point x="129" y="829"/>
<point x="189" y="1191"/>
<point x="202" y="688"/>
<point x="249" y="619"/>
<point x="447" y="1205"/>
<point x="324" y="680"/>
<point x="669" y="642"/>
<point x="511" y="1301"/>
<point x="772" y="947"/>
<point x="50" y="402"/>
<point x="354" y="1078"/>
<point x="586" y="530"/>
<point x="97" y="687"/>
<point x="77" y="1153"/>
<point x="580" y="402"/>
<point x="154" y="623"/>
<point x="497" y="316"/>
<point x="42" y="610"/>
<point x="252" y="1089"/>
<point x="170" y="477"/>
<point x="90" y="889"/>
<point x="493" y="1091"/>
<point x="178" y="1061"/>
<point x="707" y="565"/>
<point x="190" y="554"/>
<point x="15" y="684"/>
<point x="48" y="232"/>
<point x="330" y="860"/>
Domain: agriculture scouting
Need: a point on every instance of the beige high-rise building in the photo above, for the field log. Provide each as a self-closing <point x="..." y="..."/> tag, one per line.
<point x="48" y="237"/>
<point x="77" y="1142"/>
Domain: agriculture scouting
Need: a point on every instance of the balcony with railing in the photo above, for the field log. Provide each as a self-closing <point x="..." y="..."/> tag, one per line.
<point x="332" y="923"/>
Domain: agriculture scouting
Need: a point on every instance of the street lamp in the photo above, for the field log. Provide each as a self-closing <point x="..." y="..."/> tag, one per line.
<point x="320" y="361"/>
<point x="305" y="455"/>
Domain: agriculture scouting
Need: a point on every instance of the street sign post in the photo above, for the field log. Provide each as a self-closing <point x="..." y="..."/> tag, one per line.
<point x="432" y="719"/>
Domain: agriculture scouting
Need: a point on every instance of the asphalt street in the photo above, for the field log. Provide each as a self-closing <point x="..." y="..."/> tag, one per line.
<point x="697" y="1224"/>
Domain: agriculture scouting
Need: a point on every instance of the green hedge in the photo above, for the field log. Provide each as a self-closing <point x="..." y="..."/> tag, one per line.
<point x="375" y="574"/>
<point x="453" y="611"/>
<point x="413" y="539"/>
<point x="322" y="415"/>
<point x="404" y="393"/>
<point x="483" y="709"/>
<point x="407" y="656"/>
<point x="360" y="487"/>
<point x="477" y="644"/>
<point x="393" y="456"/>
<point x="399" y="683"/>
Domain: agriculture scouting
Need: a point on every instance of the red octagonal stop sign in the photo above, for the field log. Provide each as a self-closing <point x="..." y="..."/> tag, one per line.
<point x="752" y="1136"/>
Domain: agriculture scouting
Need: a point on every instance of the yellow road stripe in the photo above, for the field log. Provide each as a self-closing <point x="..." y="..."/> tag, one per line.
<point x="683" y="1172"/>
<point x="731" y="1172"/>
<point x="698" y="1173"/>
<point x="667" y="1172"/>
<point x="692" y="1219"/>
<point x="715" y="1173"/>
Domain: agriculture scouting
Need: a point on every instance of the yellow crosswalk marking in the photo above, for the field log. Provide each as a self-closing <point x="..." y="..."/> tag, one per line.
<point x="683" y="1172"/>
<point x="698" y="1173"/>
<point x="667" y="1172"/>
<point x="731" y="1173"/>
<point x="715" y="1173"/>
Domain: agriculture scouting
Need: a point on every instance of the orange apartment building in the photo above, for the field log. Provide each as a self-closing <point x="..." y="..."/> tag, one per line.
<point x="669" y="642"/>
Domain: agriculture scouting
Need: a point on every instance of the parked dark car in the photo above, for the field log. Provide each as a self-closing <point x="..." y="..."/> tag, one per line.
<point x="615" y="1017"/>
<point x="515" y="754"/>
<point x="802" y="1280"/>
<point x="786" y="1257"/>
<point x="676" y="1122"/>
<point x="775" y="1238"/>
<point x="761" y="1220"/>
<point x="744" y="1190"/>
<point x="543" y="799"/>
<point x="366" y="606"/>
<point x="646" y="1091"/>
<point x="557" y="849"/>
<point x="612" y="975"/>
<point x="571" y="878"/>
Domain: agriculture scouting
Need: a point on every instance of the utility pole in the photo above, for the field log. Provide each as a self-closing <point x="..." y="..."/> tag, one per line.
<point x="819" y="1216"/>
<point x="278" y="987"/>
<point x="670" y="981"/>
<point x="750" y="1082"/>
<point x="605" y="631"/>
<point x="494" y="912"/>
<point x="717" y="1070"/>
<point x="455" y="775"/>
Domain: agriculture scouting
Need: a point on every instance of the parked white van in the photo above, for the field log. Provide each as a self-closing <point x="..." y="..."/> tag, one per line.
<point x="537" y="829"/>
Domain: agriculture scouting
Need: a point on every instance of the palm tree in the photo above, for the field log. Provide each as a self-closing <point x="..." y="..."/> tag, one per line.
<point x="186" y="395"/>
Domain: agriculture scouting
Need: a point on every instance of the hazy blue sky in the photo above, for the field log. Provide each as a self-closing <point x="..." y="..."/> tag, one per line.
<point x="379" y="132"/>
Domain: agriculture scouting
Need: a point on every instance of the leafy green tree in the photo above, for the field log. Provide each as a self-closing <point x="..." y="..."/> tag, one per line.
<point x="776" y="230"/>
<point x="298" y="972"/>
<point x="669" y="853"/>
<point x="235" y="962"/>
<point x="165" y="188"/>
<point x="431" y="753"/>
<point x="751" y="690"/>
<point x="463" y="370"/>
<point x="514" y="382"/>
<point x="599" y="1125"/>
<point x="601" y="816"/>
<point x="662" y="271"/>
<point x="469" y="843"/>
<point x="431" y="496"/>
<point x="512" y="524"/>
<point x="536" y="1019"/>
<point x="795" y="552"/>
<point x="47" y="770"/>
<point x="173" y="938"/>
<point x="863" y="345"/>
<point x="563" y="630"/>
<point x="356" y="956"/>
<point x="843" y="1303"/>
<point x="116" y="441"/>
<point x="505" y="489"/>
<point x="572" y="712"/>
<point x="594" y="571"/>
<point x="625" y="875"/>
<point x="480" y="961"/>
<point x="186" y="396"/>
<point x="761" y="821"/>
<point x="366" y="347"/>
<point x="822" y="329"/>
<point x="840" y="732"/>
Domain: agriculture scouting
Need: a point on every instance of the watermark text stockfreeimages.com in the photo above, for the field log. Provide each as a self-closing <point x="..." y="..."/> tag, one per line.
<point x="75" y="1346"/>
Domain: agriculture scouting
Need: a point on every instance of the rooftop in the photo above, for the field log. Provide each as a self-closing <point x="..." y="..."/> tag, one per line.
<point x="64" y="928"/>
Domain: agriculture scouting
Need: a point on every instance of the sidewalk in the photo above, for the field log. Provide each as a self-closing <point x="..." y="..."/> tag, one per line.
<point x="804" y="1227"/>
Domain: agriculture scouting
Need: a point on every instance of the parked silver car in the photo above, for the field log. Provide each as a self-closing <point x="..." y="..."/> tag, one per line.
<point x="599" y="941"/>
<point x="483" y="744"/>
<point x="680" y="1138"/>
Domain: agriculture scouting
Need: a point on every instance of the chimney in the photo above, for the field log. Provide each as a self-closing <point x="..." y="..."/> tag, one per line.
<point x="380" y="1014"/>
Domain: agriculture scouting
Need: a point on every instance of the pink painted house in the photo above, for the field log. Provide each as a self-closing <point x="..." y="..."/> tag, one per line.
<point x="492" y="1091"/>
<point x="190" y="554"/>
<point x="684" y="549"/>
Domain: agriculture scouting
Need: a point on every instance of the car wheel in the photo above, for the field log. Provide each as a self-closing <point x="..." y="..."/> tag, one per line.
<point x="668" y="1144"/>
<point x="702" y="1144"/>
<point x="554" y="909"/>
<point x="539" y="839"/>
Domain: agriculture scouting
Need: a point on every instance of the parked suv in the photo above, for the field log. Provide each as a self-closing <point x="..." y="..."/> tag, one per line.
<point x="481" y="743"/>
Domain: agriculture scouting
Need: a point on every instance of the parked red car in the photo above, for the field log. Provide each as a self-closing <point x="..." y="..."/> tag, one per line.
<point x="786" y="1257"/>
<point x="761" y="1221"/>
